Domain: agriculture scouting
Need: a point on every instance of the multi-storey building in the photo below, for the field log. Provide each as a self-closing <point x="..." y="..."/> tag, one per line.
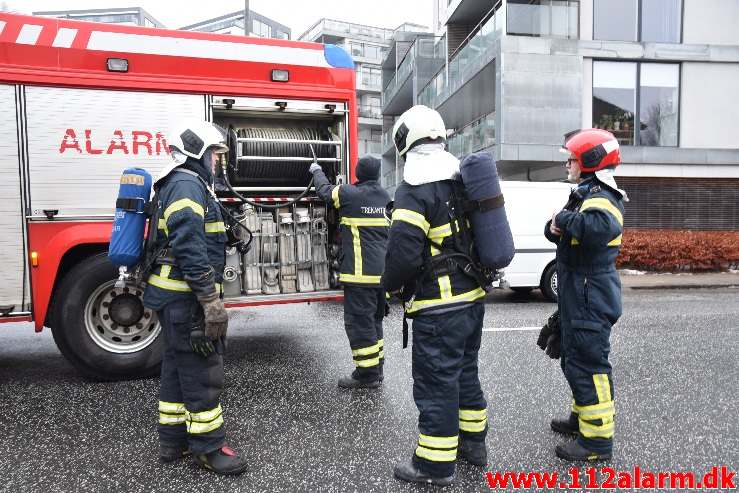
<point x="129" y="16"/>
<point x="234" y="24"/>
<point x="515" y="75"/>
<point x="367" y="45"/>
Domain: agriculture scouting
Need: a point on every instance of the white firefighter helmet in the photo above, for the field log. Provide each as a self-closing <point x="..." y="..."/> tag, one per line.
<point x="193" y="137"/>
<point x="418" y="125"/>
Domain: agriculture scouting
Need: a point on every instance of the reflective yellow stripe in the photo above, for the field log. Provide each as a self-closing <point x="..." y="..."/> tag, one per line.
<point x="168" y="284"/>
<point x="335" y="197"/>
<point x="381" y="345"/>
<point x="368" y="221"/>
<point x="359" y="279"/>
<point x="604" y="204"/>
<point x="171" y="413"/>
<point x="357" y="251"/>
<point x="162" y="224"/>
<point x="164" y="282"/>
<point x="472" y="421"/>
<point x="590" y="430"/>
<point x="468" y="296"/>
<point x="205" y="421"/>
<point x="182" y="204"/>
<point x="605" y="410"/>
<point x="437" y="449"/>
<point x="215" y="227"/>
<point x="366" y="363"/>
<point x="172" y="407"/>
<point x="366" y="350"/>
<point x="411" y="217"/>
<point x="437" y="442"/>
<point x="615" y="242"/>
<point x="436" y="235"/>
<point x="602" y="387"/>
<point x="445" y="287"/>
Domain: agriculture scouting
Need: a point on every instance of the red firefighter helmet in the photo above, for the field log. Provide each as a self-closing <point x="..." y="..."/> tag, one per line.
<point x="595" y="149"/>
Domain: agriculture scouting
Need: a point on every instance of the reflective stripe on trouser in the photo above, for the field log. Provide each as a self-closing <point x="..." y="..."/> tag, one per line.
<point x="446" y="346"/>
<point x="591" y="383"/>
<point x="364" y="309"/>
<point x="191" y="385"/>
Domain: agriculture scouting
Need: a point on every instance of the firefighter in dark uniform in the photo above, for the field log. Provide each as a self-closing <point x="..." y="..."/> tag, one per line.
<point x="447" y="311"/>
<point x="588" y="237"/>
<point x="185" y="290"/>
<point x="364" y="237"/>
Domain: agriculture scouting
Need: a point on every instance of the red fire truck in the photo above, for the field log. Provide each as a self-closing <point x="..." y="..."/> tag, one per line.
<point x="82" y="102"/>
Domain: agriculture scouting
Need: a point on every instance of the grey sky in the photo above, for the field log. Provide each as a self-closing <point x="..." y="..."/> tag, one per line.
<point x="298" y="15"/>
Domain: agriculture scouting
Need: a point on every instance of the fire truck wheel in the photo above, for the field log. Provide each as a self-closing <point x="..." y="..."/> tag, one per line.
<point x="549" y="282"/>
<point x="103" y="330"/>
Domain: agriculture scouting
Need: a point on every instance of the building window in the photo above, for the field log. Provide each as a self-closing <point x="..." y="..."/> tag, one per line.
<point x="648" y="21"/>
<point x="371" y="76"/>
<point x="629" y="92"/>
<point x="261" y="29"/>
<point x="543" y="18"/>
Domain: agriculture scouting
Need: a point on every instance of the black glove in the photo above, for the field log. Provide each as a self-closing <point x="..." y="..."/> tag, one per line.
<point x="199" y="343"/>
<point x="387" y="307"/>
<point x="549" y="338"/>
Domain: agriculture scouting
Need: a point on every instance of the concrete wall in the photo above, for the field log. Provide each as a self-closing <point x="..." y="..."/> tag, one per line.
<point x="709" y="106"/>
<point x="711" y="22"/>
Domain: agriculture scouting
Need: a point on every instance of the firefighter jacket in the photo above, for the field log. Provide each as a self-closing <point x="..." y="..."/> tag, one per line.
<point x="420" y="226"/>
<point x="191" y="225"/>
<point x="363" y="228"/>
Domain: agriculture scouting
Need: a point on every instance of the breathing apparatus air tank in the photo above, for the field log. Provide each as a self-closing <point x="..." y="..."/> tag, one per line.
<point x="493" y="236"/>
<point x="131" y="212"/>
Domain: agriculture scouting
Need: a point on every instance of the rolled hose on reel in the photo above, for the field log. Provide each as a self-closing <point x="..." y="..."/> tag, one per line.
<point x="272" y="149"/>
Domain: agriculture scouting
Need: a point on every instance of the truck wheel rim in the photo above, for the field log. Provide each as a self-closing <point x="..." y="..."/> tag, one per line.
<point x="117" y="320"/>
<point x="553" y="283"/>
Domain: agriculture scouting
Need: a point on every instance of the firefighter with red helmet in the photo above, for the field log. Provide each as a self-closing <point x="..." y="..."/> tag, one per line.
<point x="185" y="290"/>
<point x="588" y="237"/>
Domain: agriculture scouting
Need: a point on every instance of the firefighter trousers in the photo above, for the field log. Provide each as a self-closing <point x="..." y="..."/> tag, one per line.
<point x="364" y="309"/>
<point x="191" y="385"/>
<point x="446" y="386"/>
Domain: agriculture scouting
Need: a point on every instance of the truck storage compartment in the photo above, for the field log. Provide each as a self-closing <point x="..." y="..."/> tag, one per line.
<point x="265" y="182"/>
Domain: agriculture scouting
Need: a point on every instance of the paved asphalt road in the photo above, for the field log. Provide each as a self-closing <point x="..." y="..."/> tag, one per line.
<point x="675" y="370"/>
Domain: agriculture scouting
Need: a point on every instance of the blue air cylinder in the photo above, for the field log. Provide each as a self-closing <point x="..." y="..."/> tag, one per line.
<point x="127" y="237"/>
<point x="493" y="235"/>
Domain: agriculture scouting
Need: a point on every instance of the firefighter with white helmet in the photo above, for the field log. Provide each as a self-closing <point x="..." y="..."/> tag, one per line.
<point x="588" y="237"/>
<point x="185" y="290"/>
<point x="447" y="310"/>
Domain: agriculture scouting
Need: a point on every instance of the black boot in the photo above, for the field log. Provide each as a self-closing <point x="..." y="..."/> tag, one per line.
<point x="168" y="453"/>
<point x="564" y="427"/>
<point x="354" y="381"/>
<point x="476" y="453"/>
<point x="407" y="472"/>
<point x="221" y="461"/>
<point x="575" y="452"/>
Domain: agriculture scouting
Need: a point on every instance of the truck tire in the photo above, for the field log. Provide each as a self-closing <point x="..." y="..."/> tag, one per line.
<point x="102" y="330"/>
<point x="549" y="282"/>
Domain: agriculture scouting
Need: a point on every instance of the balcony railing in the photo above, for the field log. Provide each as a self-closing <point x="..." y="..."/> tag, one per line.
<point x="346" y="27"/>
<point x="475" y="137"/>
<point x="404" y="68"/>
<point x="368" y="147"/>
<point x="367" y="111"/>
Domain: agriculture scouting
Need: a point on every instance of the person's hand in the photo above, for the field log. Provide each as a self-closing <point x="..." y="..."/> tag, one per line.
<point x="216" y="318"/>
<point x="314" y="167"/>
<point x="553" y="228"/>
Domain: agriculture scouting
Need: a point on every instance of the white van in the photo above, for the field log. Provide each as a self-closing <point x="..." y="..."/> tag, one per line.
<point x="528" y="207"/>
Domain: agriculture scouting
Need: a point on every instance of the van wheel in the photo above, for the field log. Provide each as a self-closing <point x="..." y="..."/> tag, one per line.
<point x="549" y="283"/>
<point x="105" y="331"/>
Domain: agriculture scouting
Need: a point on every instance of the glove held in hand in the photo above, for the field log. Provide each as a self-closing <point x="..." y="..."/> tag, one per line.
<point x="216" y="318"/>
<point x="201" y="344"/>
